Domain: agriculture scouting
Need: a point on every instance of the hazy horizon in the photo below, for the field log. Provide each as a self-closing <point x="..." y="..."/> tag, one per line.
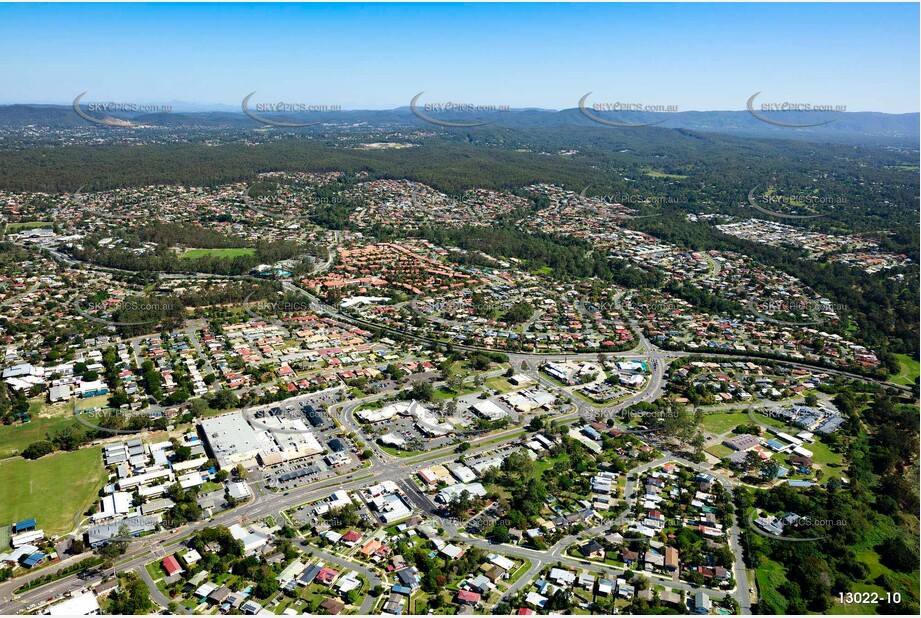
<point x="693" y="57"/>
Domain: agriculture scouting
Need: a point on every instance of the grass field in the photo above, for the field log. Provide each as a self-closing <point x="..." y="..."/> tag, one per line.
<point x="52" y="489"/>
<point x="911" y="369"/>
<point x="29" y="225"/>
<point x="719" y="451"/>
<point x="232" y="252"/>
<point x="14" y="438"/>
<point x="770" y="575"/>
<point x="721" y="422"/>
<point x="91" y="403"/>
<point x="823" y="456"/>
<point x="500" y="384"/>
<point x="657" y="174"/>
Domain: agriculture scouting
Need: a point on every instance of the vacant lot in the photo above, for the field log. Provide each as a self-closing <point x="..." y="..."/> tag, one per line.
<point x="52" y="489"/>
<point x="770" y="576"/>
<point x="721" y="422"/>
<point x="191" y="254"/>
<point x="501" y="384"/>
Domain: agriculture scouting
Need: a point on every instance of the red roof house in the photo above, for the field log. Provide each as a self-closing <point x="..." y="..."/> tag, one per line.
<point x="467" y="597"/>
<point x="171" y="565"/>
<point x="326" y="575"/>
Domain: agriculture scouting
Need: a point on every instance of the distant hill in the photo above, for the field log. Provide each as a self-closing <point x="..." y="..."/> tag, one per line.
<point x="847" y="127"/>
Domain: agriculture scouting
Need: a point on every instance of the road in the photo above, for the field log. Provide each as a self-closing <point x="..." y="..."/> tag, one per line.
<point x="385" y="467"/>
<point x="650" y="351"/>
<point x="372" y="577"/>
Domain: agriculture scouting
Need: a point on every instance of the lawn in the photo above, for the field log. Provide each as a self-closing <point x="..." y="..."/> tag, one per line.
<point x="772" y="422"/>
<point x="545" y="463"/>
<point x="520" y="571"/>
<point x="156" y="572"/>
<point x="52" y="489"/>
<point x="232" y="252"/>
<point x="397" y="452"/>
<point x="911" y="369"/>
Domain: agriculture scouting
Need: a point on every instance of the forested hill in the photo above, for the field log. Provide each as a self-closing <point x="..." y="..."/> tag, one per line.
<point x="845" y="127"/>
<point x="874" y="188"/>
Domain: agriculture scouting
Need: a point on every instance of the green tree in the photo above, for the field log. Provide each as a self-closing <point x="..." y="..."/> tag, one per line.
<point x="38" y="449"/>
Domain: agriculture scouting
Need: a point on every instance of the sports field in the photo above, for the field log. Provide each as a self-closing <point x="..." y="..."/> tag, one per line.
<point x="29" y="225"/>
<point x="231" y="252"/>
<point x="51" y="489"/>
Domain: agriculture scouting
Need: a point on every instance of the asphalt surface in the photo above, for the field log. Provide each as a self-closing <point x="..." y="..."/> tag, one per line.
<point x="401" y="470"/>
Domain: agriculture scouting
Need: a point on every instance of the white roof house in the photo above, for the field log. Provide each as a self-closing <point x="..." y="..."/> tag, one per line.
<point x="61" y="392"/>
<point x="488" y="410"/>
<point x="84" y="604"/>
<point x="239" y="490"/>
<point x="447" y="494"/>
<point x="462" y="473"/>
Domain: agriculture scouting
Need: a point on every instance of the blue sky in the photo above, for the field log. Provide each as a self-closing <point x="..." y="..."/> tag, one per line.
<point x="693" y="56"/>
